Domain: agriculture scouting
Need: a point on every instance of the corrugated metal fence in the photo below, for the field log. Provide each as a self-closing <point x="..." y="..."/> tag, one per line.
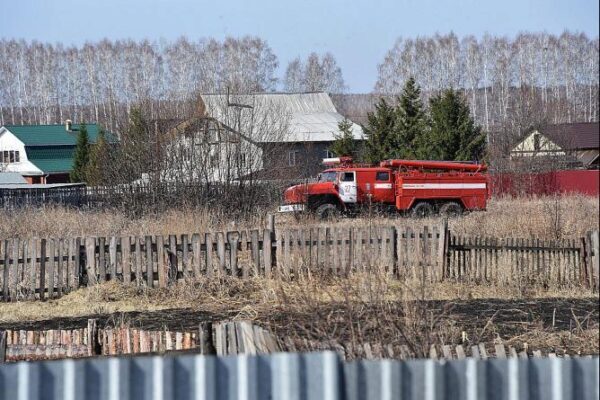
<point x="319" y="376"/>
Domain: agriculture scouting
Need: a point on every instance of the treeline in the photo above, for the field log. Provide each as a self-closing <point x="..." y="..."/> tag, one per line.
<point x="533" y="78"/>
<point x="42" y="83"/>
<point x="407" y="129"/>
<point x="509" y="83"/>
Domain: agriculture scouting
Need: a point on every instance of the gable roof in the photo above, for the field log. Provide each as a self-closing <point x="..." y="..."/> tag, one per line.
<point x="575" y="136"/>
<point x="310" y="117"/>
<point x="54" y="135"/>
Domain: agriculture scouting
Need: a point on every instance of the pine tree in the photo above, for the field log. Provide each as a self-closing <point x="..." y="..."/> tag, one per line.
<point x="344" y="144"/>
<point x="81" y="157"/>
<point x="379" y="127"/>
<point x="96" y="168"/>
<point x="410" y="128"/>
<point x="454" y="134"/>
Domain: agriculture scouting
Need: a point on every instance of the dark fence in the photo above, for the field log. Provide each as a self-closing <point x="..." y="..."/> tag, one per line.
<point x="139" y="198"/>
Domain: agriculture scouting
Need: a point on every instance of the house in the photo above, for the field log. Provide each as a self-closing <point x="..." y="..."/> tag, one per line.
<point x="202" y="149"/>
<point x="573" y="145"/>
<point x="42" y="153"/>
<point x="294" y="130"/>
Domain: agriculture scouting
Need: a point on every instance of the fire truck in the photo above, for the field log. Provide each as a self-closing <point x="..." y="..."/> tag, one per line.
<point x="415" y="187"/>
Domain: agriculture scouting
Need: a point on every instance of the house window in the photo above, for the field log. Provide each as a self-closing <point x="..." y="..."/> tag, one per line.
<point x="292" y="157"/>
<point x="10" y="156"/>
<point x="329" y="154"/>
<point x="382" y="176"/>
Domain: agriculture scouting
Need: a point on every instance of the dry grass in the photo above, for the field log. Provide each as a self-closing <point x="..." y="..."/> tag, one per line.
<point x="361" y="308"/>
<point x="546" y="217"/>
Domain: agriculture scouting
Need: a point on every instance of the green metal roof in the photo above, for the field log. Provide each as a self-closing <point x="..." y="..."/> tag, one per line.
<point x="51" y="159"/>
<point x="54" y="135"/>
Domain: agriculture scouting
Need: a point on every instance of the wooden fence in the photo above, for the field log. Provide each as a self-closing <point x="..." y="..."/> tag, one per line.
<point x="223" y="338"/>
<point x="48" y="268"/>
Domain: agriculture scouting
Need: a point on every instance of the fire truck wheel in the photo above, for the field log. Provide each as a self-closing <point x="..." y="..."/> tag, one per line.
<point x="422" y="210"/>
<point x="327" y="211"/>
<point x="451" y="209"/>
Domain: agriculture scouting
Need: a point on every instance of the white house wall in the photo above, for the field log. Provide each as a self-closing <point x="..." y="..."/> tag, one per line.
<point x="8" y="142"/>
<point x="194" y="160"/>
<point x="527" y="146"/>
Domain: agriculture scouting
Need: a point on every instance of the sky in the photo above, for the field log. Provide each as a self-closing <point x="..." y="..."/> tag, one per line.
<point x="358" y="32"/>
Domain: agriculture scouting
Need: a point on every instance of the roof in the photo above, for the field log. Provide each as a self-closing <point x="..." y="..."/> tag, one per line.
<point x="576" y="136"/>
<point x="309" y="117"/>
<point x="32" y="186"/>
<point x="51" y="159"/>
<point x="54" y="135"/>
<point x="11" y="178"/>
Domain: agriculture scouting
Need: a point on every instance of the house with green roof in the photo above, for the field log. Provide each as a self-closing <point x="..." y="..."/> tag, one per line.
<point x="42" y="153"/>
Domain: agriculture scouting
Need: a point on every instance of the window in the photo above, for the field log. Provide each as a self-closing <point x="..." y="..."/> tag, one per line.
<point x="10" y="156"/>
<point x="329" y="154"/>
<point x="347" y="177"/>
<point x="292" y="155"/>
<point x="382" y="176"/>
<point x="328" y="176"/>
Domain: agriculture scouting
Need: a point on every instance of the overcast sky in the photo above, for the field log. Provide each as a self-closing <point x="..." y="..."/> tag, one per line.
<point x="357" y="32"/>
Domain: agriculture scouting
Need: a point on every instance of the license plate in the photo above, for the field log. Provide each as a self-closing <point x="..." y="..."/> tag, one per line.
<point x="291" y="208"/>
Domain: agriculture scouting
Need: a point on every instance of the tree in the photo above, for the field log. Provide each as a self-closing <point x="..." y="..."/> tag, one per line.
<point x="344" y="144"/>
<point x="410" y="128"/>
<point x="380" y="125"/>
<point x="317" y="74"/>
<point x="95" y="173"/>
<point x="454" y="134"/>
<point x="81" y="157"/>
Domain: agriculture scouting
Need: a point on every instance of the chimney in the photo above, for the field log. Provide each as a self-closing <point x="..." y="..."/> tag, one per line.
<point x="68" y="123"/>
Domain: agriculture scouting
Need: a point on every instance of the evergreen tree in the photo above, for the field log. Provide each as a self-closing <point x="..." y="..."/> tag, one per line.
<point x="136" y="147"/>
<point x="410" y="129"/>
<point x="344" y="144"/>
<point x="96" y="169"/>
<point x="454" y="134"/>
<point x="82" y="155"/>
<point x="378" y="130"/>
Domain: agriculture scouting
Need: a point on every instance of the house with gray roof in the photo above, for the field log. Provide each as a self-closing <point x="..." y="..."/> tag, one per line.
<point x="294" y="130"/>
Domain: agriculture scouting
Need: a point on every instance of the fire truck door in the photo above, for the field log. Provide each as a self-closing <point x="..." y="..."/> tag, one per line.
<point x="348" y="192"/>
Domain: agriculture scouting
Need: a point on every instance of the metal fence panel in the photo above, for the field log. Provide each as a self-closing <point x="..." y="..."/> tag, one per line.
<point x="312" y="376"/>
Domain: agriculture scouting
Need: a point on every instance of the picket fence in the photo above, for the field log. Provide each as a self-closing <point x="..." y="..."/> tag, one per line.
<point x="48" y="268"/>
<point x="222" y="338"/>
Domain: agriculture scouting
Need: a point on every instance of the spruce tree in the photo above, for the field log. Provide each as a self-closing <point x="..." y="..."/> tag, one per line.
<point x="96" y="168"/>
<point x="380" y="125"/>
<point x="82" y="155"/>
<point x="344" y="144"/>
<point x="454" y="134"/>
<point x="410" y="128"/>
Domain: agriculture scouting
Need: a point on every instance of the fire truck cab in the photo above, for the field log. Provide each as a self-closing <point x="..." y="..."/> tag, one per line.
<point x="420" y="188"/>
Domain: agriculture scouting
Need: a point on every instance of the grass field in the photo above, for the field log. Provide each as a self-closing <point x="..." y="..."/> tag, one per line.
<point x="543" y="218"/>
<point x="363" y="307"/>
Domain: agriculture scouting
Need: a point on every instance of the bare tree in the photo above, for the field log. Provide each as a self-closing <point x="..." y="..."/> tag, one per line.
<point x="316" y="74"/>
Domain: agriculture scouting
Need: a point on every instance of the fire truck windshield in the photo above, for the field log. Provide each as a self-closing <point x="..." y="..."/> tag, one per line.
<point x="328" y="176"/>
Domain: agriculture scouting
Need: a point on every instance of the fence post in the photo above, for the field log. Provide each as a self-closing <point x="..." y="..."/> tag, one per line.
<point x="90" y="260"/>
<point x="594" y="260"/>
<point x="271" y="227"/>
<point x="92" y="338"/>
<point x="2" y="346"/>
<point x="443" y="254"/>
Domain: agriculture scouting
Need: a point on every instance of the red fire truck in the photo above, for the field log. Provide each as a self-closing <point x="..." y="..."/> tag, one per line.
<point x="420" y="188"/>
